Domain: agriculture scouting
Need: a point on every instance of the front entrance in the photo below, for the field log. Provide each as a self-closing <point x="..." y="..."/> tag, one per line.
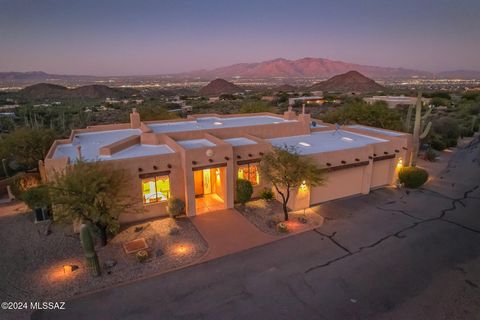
<point x="209" y="190"/>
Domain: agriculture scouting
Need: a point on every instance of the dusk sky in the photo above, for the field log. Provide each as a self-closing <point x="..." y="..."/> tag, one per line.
<point x="155" y="37"/>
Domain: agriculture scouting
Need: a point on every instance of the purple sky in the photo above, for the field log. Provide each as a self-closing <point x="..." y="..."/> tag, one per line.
<point x="120" y="37"/>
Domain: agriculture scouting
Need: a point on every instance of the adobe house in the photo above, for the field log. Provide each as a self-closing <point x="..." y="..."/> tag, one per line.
<point x="199" y="159"/>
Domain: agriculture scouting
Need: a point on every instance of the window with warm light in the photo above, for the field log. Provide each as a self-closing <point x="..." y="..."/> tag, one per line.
<point x="155" y="189"/>
<point x="249" y="172"/>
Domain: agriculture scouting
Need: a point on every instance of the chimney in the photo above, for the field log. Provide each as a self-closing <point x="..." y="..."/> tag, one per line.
<point x="290" y="114"/>
<point x="135" y="119"/>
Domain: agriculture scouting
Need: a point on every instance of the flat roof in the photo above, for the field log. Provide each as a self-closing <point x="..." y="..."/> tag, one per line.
<point x="377" y="130"/>
<point x="239" y="141"/>
<point x="196" y="143"/>
<point x="325" y="141"/>
<point x="91" y="142"/>
<point x="139" y="150"/>
<point x="215" y="122"/>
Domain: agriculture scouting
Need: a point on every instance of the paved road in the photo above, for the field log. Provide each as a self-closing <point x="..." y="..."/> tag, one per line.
<point x="388" y="255"/>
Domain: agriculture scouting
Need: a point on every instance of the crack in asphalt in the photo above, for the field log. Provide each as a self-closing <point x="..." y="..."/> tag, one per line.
<point x="396" y="234"/>
<point x="332" y="239"/>
<point x="400" y="211"/>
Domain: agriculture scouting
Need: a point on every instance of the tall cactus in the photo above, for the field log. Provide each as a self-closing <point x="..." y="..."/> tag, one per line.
<point x="88" y="245"/>
<point x="420" y="128"/>
<point x="408" y="119"/>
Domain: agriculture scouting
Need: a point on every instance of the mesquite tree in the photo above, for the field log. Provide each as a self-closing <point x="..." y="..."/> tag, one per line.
<point x="286" y="170"/>
<point x="92" y="192"/>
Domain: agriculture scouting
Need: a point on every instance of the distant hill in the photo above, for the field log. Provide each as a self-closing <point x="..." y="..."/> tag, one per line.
<point x="53" y="91"/>
<point x="351" y="81"/>
<point x="218" y="87"/>
<point x="306" y="67"/>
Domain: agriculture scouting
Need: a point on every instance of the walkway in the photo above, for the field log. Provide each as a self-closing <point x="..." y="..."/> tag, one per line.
<point x="227" y="231"/>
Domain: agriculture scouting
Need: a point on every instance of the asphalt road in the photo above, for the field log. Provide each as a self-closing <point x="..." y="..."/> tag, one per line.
<point x="388" y="255"/>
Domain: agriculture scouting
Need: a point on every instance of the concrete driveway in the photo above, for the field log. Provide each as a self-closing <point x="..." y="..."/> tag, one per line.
<point x="388" y="255"/>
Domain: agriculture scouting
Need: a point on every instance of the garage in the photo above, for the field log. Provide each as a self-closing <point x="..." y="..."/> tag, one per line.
<point x="339" y="184"/>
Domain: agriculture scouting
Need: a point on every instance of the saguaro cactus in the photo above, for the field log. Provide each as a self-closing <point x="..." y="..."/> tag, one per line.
<point x="420" y="128"/>
<point x="88" y="245"/>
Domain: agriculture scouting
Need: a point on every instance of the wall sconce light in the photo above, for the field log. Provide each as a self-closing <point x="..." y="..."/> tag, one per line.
<point x="399" y="163"/>
<point x="303" y="186"/>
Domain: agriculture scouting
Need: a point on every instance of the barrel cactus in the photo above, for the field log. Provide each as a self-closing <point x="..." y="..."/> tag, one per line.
<point x="88" y="245"/>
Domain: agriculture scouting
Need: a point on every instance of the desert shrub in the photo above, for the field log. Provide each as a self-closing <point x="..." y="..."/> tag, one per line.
<point x="266" y="194"/>
<point x="282" y="227"/>
<point x="412" y="177"/>
<point x="175" y="207"/>
<point x="36" y="197"/>
<point x="244" y="190"/>
<point x="430" y="155"/>
<point x="22" y="182"/>
<point x="142" y="255"/>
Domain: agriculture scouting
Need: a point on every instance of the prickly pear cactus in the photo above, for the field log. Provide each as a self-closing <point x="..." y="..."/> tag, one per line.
<point x="88" y="245"/>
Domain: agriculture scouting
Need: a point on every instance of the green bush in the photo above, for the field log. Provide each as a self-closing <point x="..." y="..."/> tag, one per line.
<point x="244" y="190"/>
<point x="412" y="177"/>
<point x="430" y="155"/>
<point x="175" y="207"/>
<point x="266" y="194"/>
<point x="36" y="197"/>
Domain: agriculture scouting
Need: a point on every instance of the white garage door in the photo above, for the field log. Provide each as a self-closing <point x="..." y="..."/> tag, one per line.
<point x="339" y="184"/>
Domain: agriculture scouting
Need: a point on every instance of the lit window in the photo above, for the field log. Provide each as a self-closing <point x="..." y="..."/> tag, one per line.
<point x="155" y="189"/>
<point x="249" y="172"/>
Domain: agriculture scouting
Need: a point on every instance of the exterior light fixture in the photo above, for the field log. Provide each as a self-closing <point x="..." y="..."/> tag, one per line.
<point x="305" y="144"/>
<point x="399" y="163"/>
<point x="69" y="268"/>
<point x="303" y="186"/>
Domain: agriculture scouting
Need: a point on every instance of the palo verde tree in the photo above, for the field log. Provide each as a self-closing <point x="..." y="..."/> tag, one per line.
<point x="287" y="170"/>
<point x="94" y="192"/>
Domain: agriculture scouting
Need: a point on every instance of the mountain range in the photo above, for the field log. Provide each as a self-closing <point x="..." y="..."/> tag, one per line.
<point x="53" y="91"/>
<point x="277" y="68"/>
<point x="319" y="68"/>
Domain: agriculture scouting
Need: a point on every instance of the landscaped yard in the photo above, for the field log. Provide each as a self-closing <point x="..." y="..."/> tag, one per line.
<point x="33" y="262"/>
<point x="266" y="215"/>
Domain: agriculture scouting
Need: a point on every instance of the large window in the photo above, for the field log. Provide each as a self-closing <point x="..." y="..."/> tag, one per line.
<point x="249" y="172"/>
<point x="156" y="189"/>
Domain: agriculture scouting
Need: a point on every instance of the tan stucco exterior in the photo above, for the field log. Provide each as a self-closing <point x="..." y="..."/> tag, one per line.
<point x="350" y="171"/>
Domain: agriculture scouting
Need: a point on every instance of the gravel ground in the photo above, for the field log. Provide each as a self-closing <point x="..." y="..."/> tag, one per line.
<point x="32" y="262"/>
<point x="267" y="214"/>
